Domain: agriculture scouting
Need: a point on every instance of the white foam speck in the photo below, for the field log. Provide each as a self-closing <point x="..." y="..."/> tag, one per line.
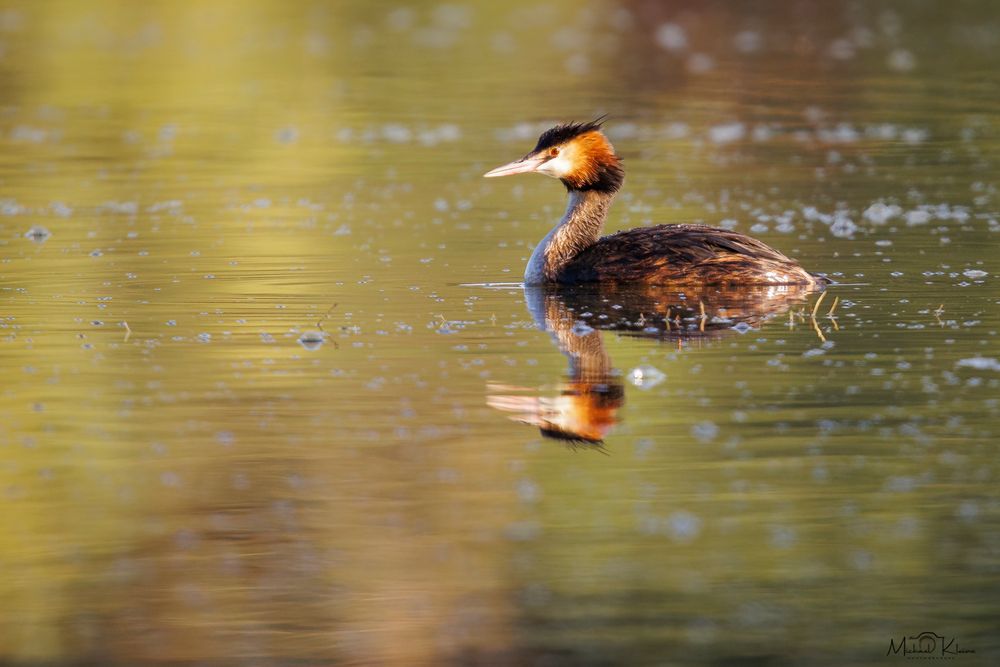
<point x="980" y="363"/>
<point x="917" y="217"/>
<point x="671" y="37"/>
<point x="727" y="132"/>
<point x="880" y="213"/>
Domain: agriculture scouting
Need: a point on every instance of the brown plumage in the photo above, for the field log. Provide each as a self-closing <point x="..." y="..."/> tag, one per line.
<point x="681" y="255"/>
<point x="581" y="157"/>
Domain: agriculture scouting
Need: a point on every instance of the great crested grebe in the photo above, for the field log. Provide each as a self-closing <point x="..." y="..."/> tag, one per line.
<point x="580" y="156"/>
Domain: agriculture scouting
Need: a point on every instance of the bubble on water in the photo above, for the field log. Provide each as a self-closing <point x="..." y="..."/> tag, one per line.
<point x="683" y="526"/>
<point x="528" y="491"/>
<point x="880" y="213"/>
<point x="578" y="64"/>
<point x="170" y="478"/>
<point x="452" y="16"/>
<point x="61" y="209"/>
<point x="646" y="376"/>
<point x="862" y="560"/>
<point x="396" y="133"/>
<point x="676" y="130"/>
<point x="10" y="207"/>
<point x="168" y="132"/>
<point x="967" y="511"/>
<point x="26" y="134"/>
<point x="761" y="133"/>
<point x="917" y="217"/>
<point x="842" y="133"/>
<point x="38" y="234"/>
<point x="915" y="135"/>
<point x="671" y="37"/>
<point x="974" y="273"/>
<point x="902" y="60"/>
<point x="900" y="484"/>
<point x="287" y="135"/>
<point x="842" y="49"/>
<point x="401" y="19"/>
<point x="741" y="327"/>
<point x="705" y="431"/>
<point x="205" y="337"/>
<point x="449" y="132"/>
<point x="883" y="131"/>
<point x="979" y="363"/>
<point x="581" y="328"/>
<point x="843" y="227"/>
<point x="172" y="205"/>
<point x="699" y="63"/>
<point x="783" y="537"/>
<point x="726" y="132"/>
<point x="522" y="531"/>
<point x="748" y="41"/>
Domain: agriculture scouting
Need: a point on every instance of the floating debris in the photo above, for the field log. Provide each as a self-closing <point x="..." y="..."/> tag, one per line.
<point x="38" y="234"/>
<point x="312" y="340"/>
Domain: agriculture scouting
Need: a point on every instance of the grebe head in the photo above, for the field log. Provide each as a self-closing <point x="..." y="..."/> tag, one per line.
<point x="578" y="154"/>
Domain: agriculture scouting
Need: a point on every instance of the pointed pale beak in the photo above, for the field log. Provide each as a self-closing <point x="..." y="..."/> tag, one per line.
<point x="522" y="166"/>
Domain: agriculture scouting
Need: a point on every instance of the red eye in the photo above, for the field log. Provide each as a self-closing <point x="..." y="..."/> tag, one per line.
<point x="553" y="152"/>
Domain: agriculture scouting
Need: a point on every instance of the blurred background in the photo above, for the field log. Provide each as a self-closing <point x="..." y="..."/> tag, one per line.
<point x="247" y="347"/>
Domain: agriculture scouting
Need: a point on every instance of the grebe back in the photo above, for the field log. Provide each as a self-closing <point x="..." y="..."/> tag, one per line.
<point x="573" y="252"/>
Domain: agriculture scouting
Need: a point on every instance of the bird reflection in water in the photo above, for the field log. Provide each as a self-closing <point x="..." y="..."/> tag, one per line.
<point x="586" y="406"/>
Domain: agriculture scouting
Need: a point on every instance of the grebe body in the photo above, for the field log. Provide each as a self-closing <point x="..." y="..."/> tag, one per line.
<point x="574" y="252"/>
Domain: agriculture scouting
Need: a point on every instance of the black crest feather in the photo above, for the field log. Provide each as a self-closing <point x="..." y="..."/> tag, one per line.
<point x="562" y="133"/>
<point x="607" y="177"/>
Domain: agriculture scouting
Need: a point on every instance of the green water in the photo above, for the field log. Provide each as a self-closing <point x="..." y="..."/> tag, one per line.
<point x="272" y="396"/>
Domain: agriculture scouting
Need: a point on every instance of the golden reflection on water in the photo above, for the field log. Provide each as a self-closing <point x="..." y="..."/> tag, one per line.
<point x="188" y="473"/>
<point x="588" y="402"/>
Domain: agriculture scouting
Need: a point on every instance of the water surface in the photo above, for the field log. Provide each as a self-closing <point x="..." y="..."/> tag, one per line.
<point x="272" y="395"/>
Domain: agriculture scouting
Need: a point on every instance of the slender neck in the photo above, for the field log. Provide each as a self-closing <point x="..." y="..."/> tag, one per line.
<point x="579" y="228"/>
